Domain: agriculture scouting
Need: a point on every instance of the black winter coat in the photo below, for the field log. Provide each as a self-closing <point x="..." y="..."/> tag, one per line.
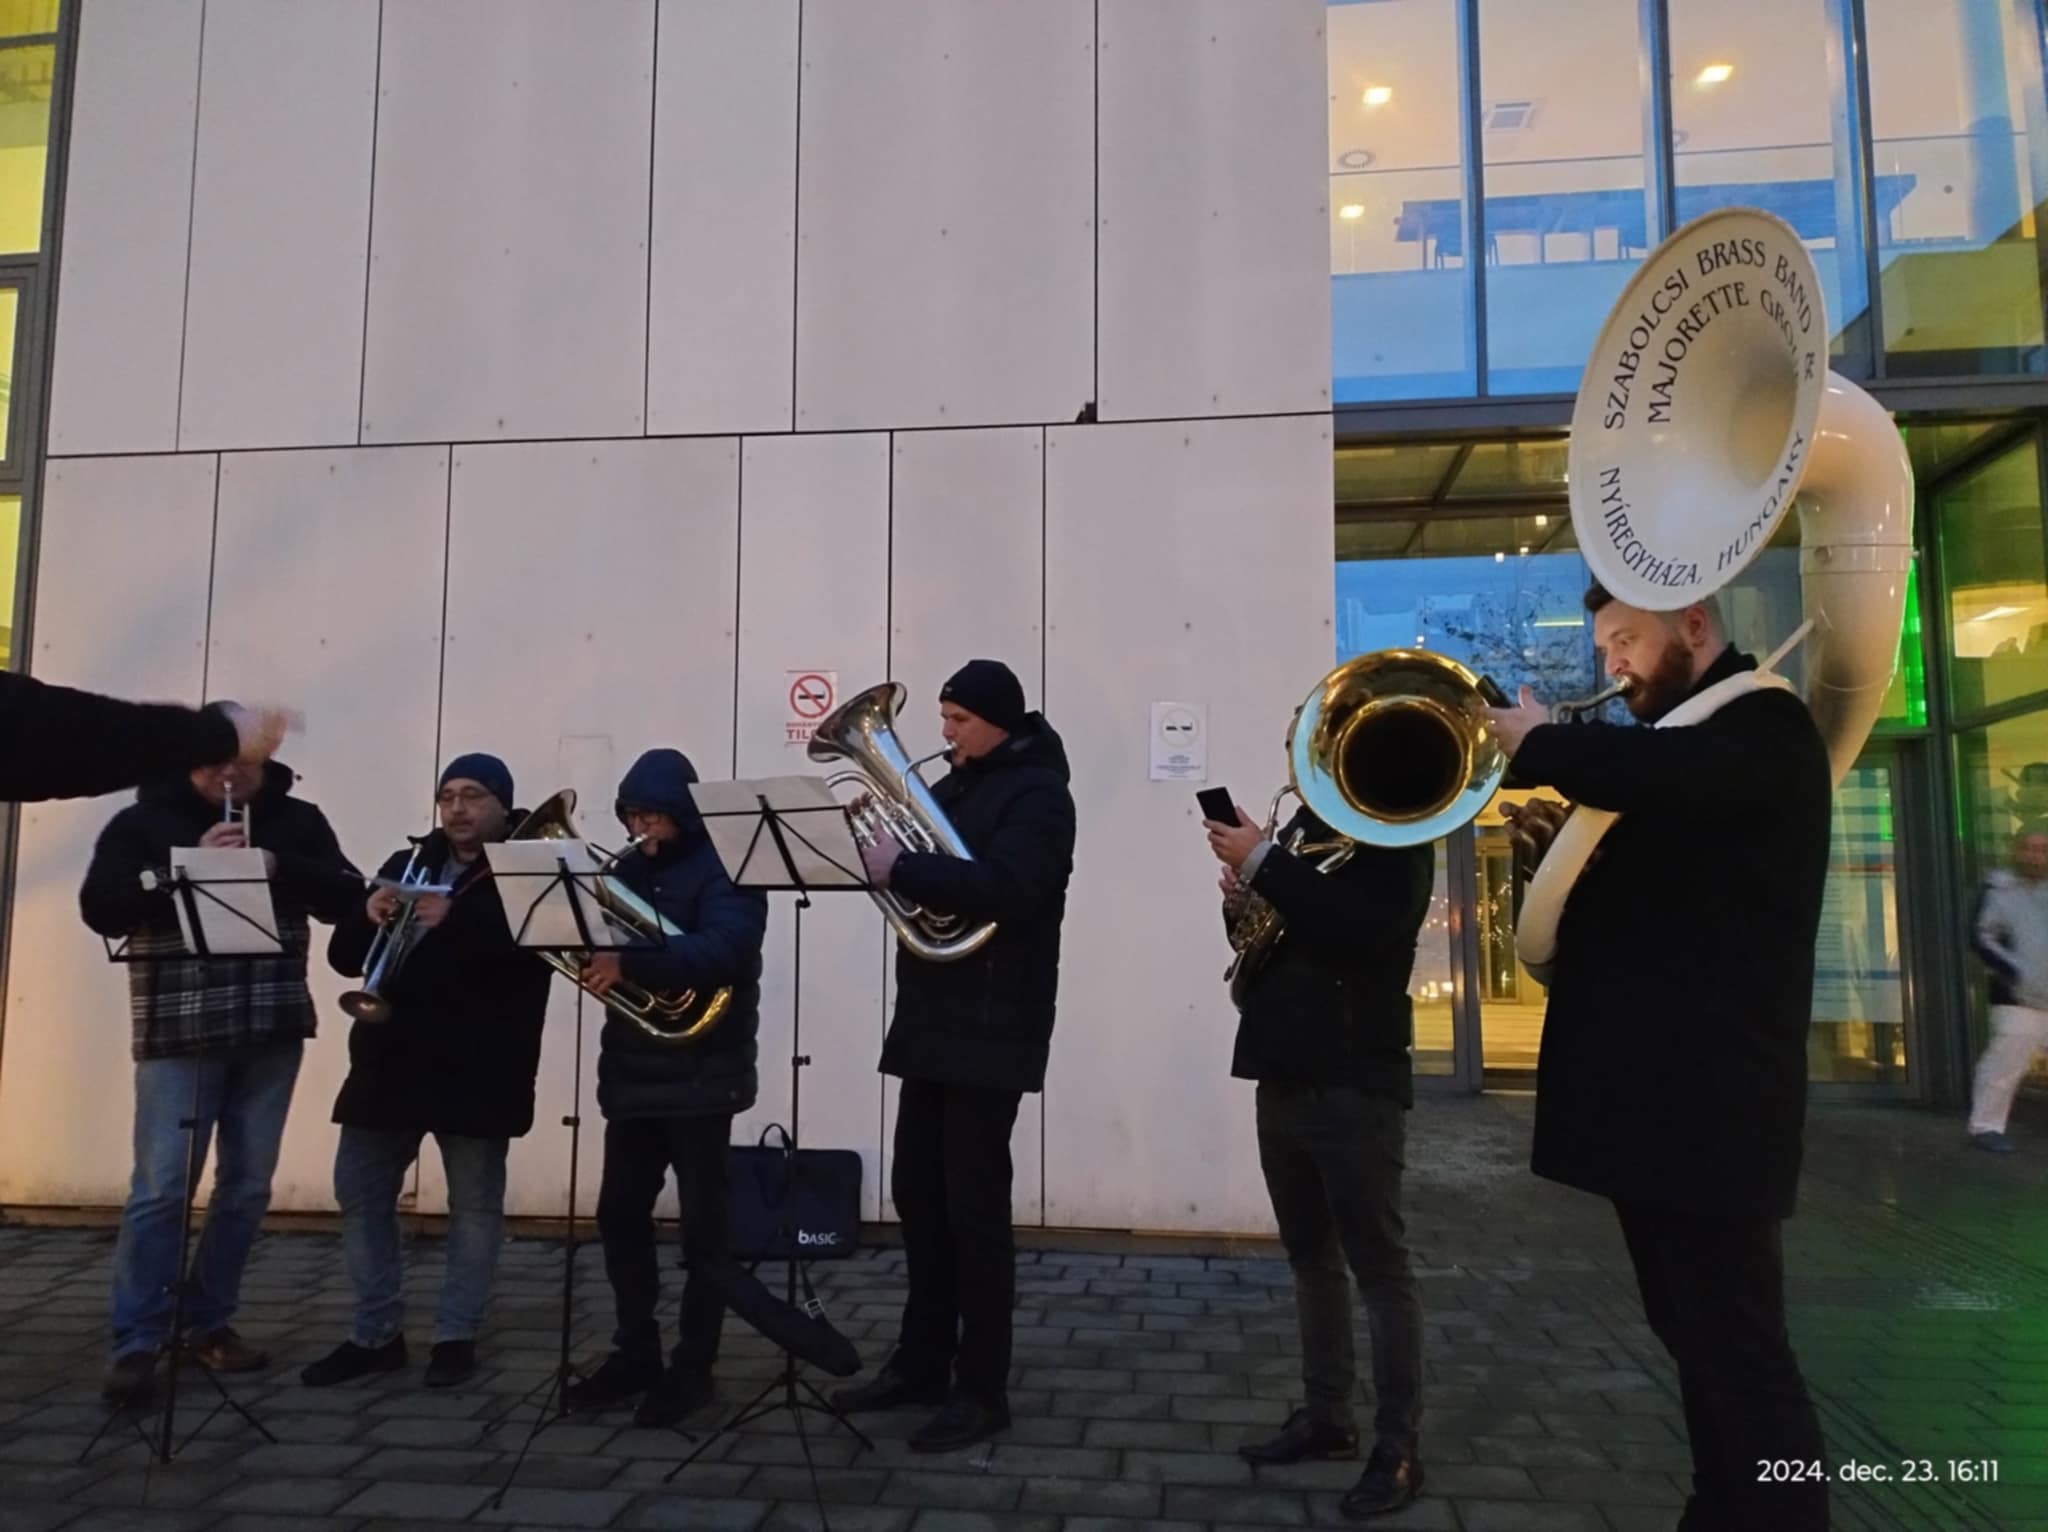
<point x="461" y="1050"/>
<point x="1673" y="1067"/>
<point x="1331" y="1005"/>
<point x="986" y="1020"/>
<point x="723" y="930"/>
<point x="59" y="743"/>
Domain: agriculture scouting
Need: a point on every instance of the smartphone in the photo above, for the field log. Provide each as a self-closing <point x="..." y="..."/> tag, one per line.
<point x="1491" y="693"/>
<point x="1216" y="805"/>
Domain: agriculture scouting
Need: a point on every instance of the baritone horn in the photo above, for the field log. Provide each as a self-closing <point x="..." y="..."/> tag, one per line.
<point x="862" y="730"/>
<point x="1389" y="749"/>
<point x="1707" y="411"/>
<point x="667" y="1016"/>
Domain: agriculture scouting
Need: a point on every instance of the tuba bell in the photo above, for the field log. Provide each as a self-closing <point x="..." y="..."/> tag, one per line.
<point x="1389" y="749"/>
<point x="1708" y="409"/>
<point x="863" y="730"/>
<point x="667" y="1016"/>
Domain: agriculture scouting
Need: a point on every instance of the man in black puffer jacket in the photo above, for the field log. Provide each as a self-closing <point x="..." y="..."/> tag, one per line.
<point x="666" y="1105"/>
<point x="456" y="1058"/>
<point x="1325" y="1029"/>
<point x="969" y="1039"/>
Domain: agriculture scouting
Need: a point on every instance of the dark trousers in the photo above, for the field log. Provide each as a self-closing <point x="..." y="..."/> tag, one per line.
<point x="638" y="1154"/>
<point x="951" y="1182"/>
<point x="1333" y="1159"/>
<point x="1714" y="1294"/>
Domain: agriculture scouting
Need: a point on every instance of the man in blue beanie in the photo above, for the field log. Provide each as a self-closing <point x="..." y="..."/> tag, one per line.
<point x="454" y="1053"/>
<point x="668" y="1107"/>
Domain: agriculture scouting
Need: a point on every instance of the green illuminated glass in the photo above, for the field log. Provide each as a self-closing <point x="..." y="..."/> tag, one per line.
<point x="25" y="77"/>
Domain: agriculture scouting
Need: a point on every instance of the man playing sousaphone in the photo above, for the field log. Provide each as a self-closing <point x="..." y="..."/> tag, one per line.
<point x="455" y="1054"/>
<point x="1672" y="1078"/>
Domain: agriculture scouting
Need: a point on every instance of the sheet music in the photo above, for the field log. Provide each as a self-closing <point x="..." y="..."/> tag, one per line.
<point x="231" y="893"/>
<point x="821" y="843"/>
<point x="537" y="907"/>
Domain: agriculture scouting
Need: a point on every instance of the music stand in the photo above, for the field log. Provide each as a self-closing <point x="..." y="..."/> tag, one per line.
<point x="564" y="916"/>
<point x="784" y="835"/>
<point x="211" y="923"/>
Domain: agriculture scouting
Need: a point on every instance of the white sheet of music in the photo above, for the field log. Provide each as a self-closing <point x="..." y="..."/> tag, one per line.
<point x="231" y="892"/>
<point x="821" y="844"/>
<point x="537" y="908"/>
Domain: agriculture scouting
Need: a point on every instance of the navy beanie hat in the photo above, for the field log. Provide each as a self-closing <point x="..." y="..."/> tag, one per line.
<point x="484" y="770"/>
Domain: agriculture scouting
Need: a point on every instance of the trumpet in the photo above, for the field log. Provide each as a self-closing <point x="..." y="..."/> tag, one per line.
<point x="394" y="942"/>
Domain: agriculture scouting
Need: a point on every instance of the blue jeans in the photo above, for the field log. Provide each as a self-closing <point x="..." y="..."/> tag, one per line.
<point x="369" y="1172"/>
<point x="243" y="1099"/>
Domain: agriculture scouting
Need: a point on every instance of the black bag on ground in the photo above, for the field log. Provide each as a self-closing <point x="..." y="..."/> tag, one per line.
<point x="812" y="1211"/>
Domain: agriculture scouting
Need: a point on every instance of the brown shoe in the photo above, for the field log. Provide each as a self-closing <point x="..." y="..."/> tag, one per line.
<point x="225" y="1351"/>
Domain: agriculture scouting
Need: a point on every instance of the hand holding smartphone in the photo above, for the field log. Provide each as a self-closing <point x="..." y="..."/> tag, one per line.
<point x="1217" y="805"/>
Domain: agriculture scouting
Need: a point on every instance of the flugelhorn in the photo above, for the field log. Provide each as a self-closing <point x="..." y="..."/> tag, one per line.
<point x="1707" y="408"/>
<point x="898" y="804"/>
<point x="391" y="946"/>
<point x="667" y="1016"/>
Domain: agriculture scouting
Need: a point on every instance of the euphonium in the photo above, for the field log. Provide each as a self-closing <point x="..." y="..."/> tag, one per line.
<point x="667" y="1016"/>
<point x="1389" y="749"/>
<point x="1707" y="408"/>
<point x="863" y="730"/>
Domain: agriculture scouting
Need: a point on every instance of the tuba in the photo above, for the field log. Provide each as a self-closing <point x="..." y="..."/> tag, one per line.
<point x="863" y="730"/>
<point x="1389" y="749"/>
<point x="1708" y="409"/>
<point x="667" y="1016"/>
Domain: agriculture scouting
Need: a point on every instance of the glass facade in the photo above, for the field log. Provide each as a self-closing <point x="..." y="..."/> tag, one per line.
<point x="28" y="71"/>
<point x="1499" y="167"/>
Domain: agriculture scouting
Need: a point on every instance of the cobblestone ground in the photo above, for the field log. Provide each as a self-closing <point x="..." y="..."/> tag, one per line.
<point x="1920" y="1308"/>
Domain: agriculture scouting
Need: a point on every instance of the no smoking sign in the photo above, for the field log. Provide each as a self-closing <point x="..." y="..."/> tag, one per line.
<point x="812" y="694"/>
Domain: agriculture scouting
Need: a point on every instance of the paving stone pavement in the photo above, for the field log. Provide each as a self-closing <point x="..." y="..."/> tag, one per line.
<point x="1918" y="1279"/>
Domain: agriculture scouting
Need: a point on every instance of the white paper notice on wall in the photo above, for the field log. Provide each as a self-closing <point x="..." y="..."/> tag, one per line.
<point x="812" y="695"/>
<point x="1180" y="742"/>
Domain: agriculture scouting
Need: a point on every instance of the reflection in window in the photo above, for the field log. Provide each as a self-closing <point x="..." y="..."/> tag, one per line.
<point x="1401" y="315"/>
<point x="10" y="549"/>
<point x="27" y="18"/>
<point x="1950" y="89"/>
<point x="1562" y="134"/>
<point x="10" y="313"/>
<point x="25" y="76"/>
<point x="1751" y="127"/>
<point x="1858" y="1030"/>
<point x="1992" y="559"/>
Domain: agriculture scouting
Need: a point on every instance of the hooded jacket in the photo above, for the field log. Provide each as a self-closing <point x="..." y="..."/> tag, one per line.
<point x="56" y="742"/>
<point x="986" y="1020"/>
<point x="723" y="928"/>
<point x="192" y="1005"/>
<point x="461" y="1050"/>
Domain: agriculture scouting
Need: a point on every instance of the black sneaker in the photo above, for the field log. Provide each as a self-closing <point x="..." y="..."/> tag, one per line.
<point x="1303" y="1439"/>
<point x="680" y="1392"/>
<point x="618" y="1377"/>
<point x="451" y="1362"/>
<point x="349" y="1361"/>
<point x="961" y="1422"/>
<point x="1391" y="1479"/>
<point x="886" y="1390"/>
<point x="129" y="1379"/>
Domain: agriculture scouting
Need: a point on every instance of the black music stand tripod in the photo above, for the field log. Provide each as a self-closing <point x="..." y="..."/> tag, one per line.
<point x="232" y="928"/>
<point x="565" y="917"/>
<point x="784" y="835"/>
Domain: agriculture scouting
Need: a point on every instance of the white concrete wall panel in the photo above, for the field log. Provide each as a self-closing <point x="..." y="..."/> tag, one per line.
<point x="280" y="224"/>
<point x="127" y="208"/>
<point x="967" y="557"/>
<point x="721" y="316"/>
<point x="122" y="583"/>
<point x="591" y="616"/>
<point x="508" y="264"/>
<point x="945" y="239"/>
<point x="1215" y="275"/>
<point x="814" y="571"/>
<point x="327" y="591"/>
<point x="1189" y="562"/>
